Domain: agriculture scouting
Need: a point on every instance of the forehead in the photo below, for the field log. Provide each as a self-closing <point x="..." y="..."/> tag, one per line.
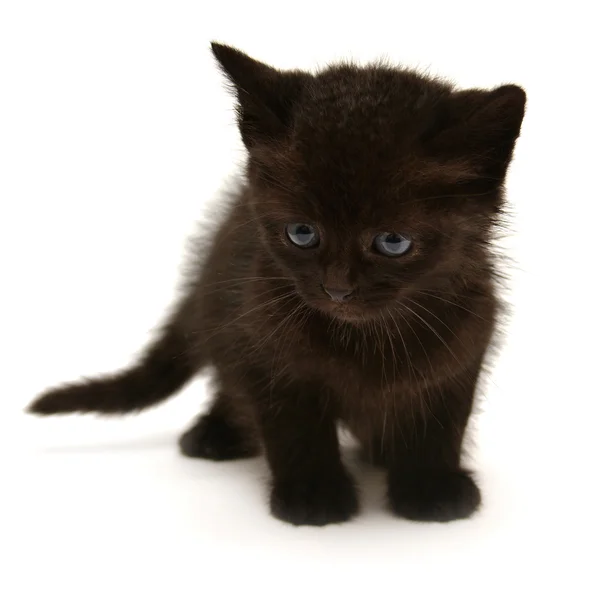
<point x="374" y="99"/>
<point x="355" y="142"/>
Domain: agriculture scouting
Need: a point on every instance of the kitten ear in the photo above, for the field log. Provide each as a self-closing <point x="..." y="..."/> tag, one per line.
<point x="482" y="127"/>
<point x="265" y="95"/>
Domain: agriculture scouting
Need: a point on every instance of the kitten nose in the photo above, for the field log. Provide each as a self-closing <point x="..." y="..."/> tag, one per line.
<point x="338" y="295"/>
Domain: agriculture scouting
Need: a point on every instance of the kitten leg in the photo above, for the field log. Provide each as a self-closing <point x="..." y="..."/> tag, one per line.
<point x="425" y="479"/>
<point x="373" y="453"/>
<point x="310" y="484"/>
<point x="226" y="432"/>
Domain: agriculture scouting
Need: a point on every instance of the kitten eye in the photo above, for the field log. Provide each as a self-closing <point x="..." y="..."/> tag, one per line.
<point x="302" y="235"/>
<point x="392" y="244"/>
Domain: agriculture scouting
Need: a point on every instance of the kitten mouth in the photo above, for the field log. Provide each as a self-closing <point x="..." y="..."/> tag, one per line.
<point x="347" y="311"/>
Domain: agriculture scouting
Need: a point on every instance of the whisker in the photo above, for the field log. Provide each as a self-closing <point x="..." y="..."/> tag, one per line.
<point x="244" y="280"/>
<point x="254" y="309"/>
<point x="433" y="330"/>
<point x="450" y="302"/>
<point x="426" y="387"/>
<point x="440" y="320"/>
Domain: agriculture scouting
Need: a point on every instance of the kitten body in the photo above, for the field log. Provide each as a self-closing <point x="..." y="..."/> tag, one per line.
<point x="301" y="338"/>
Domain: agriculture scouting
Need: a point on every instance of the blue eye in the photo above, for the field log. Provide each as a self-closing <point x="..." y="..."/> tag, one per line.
<point x="302" y="235"/>
<point x="392" y="244"/>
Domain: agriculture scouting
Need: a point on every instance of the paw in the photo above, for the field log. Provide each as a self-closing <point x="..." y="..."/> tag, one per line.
<point x="433" y="495"/>
<point x="213" y="438"/>
<point x="315" y="500"/>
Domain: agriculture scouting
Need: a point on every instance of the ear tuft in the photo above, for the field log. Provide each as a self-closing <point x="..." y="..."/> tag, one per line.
<point x="266" y="96"/>
<point x="240" y="69"/>
<point x="481" y="127"/>
<point x="502" y="109"/>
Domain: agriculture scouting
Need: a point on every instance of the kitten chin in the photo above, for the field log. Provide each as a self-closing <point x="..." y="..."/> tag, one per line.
<point x="375" y="181"/>
<point x="350" y="313"/>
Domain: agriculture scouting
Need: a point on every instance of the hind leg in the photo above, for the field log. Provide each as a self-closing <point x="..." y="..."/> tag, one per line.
<point x="226" y="432"/>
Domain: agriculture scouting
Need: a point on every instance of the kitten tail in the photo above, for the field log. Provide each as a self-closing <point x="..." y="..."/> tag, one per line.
<point x="163" y="370"/>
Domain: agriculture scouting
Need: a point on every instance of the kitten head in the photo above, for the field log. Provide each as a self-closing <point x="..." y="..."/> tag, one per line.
<point x="369" y="183"/>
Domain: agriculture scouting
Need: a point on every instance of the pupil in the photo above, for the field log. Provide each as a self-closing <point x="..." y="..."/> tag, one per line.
<point x="303" y="230"/>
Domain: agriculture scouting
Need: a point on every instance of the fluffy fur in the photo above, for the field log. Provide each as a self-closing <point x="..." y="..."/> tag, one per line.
<point x="354" y="152"/>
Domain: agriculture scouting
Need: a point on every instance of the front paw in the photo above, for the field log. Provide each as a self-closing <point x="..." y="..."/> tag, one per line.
<point x="433" y="495"/>
<point x="317" y="499"/>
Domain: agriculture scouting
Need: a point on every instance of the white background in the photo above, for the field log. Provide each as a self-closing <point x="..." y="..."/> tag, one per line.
<point x="116" y="133"/>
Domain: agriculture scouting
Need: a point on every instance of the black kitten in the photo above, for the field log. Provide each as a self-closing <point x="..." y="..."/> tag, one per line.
<point x="351" y="282"/>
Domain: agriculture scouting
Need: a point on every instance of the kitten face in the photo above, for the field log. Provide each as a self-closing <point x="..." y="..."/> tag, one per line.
<point x="346" y="275"/>
<point x="353" y="174"/>
<point x="349" y="165"/>
<point x="356" y="260"/>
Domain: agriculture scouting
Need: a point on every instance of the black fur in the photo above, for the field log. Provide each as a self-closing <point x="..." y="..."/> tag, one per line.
<point x="355" y="153"/>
